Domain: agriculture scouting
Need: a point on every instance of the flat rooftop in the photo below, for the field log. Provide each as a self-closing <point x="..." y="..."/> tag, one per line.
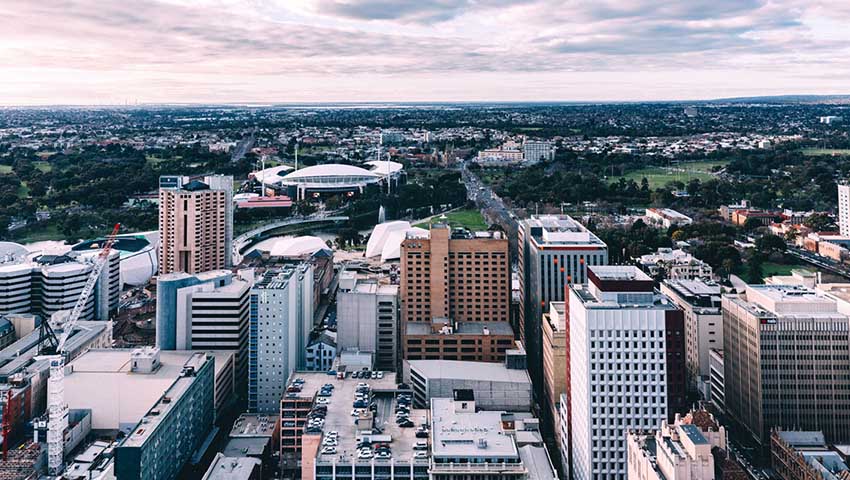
<point x="461" y="370"/>
<point x="340" y="420"/>
<point x="559" y="230"/>
<point x="253" y="425"/>
<point x="468" y="435"/>
<point x="619" y="273"/>
<point x="232" y="468"/>
<point x="787" y="301"/>
<point x="694" y="434"/>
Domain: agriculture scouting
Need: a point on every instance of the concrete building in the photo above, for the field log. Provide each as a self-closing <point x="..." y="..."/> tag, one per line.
<point x="717" y="373"/>
<point x="627" y="366"/>
<point x="671" y="264"/>
<point x="321" y="352"/>
<point x="844" y="209"/>
<point x="564" y="434"/>
<point x="233" y="468"/>
<point x="195" y="223"/>
<point x="455" y="291"/>
<point x="537" y="151"/>
<point x="786" y="356"/>
<point x="666" y="217"/>
<point x="554" y="252"/>
<point x="496" y="387"/>
<point x="678" y="451"/>
<point x="51" y="283"/>
<point x="368" y="317"/>
<point x="282" y="312"/>
<point x="152" y="451"/>
<point x="700" y="302"/>
<point x="555" y="364"/>
<point x="805" y="455"/>
<point x="173" y="311"/>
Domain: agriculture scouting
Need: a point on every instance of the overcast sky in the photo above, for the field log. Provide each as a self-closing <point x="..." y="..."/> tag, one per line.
<point x="147" y="51"/>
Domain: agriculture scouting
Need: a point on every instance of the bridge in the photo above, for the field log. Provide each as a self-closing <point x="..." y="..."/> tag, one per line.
<point x="248" y="238"/>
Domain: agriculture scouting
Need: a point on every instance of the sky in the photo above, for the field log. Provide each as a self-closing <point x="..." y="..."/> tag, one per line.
<point x="65" y="52"/>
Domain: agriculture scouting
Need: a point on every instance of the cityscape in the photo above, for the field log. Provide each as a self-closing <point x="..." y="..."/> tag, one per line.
<point x="520" y="244"/>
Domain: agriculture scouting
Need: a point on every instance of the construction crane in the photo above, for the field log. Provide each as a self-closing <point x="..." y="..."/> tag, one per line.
<point x="54" y="348"/>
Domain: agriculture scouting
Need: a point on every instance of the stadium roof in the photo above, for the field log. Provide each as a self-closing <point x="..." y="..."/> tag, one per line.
<point x="331" y="175"/>
<point x="382" y="167"/>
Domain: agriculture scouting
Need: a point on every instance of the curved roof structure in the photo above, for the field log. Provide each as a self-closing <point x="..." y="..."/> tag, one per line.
<point x="10" y="251"/>
<point x="382" y="167"/>
<point x="386" y="239"/>
<point x="271" y="175"/>
<point x="297" y="246"/>
<point x="330" y="175"/>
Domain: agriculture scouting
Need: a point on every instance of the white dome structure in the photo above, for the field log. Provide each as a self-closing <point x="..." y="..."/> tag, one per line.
<point x="384" y="168"/>
<point x="271" y="176"/>
<point x="297" y="246"/>
<point x="329" y="178"/>
<point x="138" y="255"/>
<point x="386" y="239"/>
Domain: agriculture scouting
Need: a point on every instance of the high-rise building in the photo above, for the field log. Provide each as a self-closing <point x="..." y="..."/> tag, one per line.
<point x="554" y="364"/>
<point x="554" y="252"/>
<point x="786" y="358"/>
<point x="626" y="370"/>
<point x="682" y="450"/>
<point x="367" y="318"/>
<point x="537" y="151"/>
<point x="195" y="224"/>
<point x="281" y="320"/>
<point x="455" y="294"/>
<point x="51" y="283"/>
<point x="700" y="302"/>
<point x="844" y="209"/>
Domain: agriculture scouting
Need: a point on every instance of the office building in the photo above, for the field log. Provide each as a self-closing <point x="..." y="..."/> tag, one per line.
<point x="554" y="252"/>
<point x="496" y="386"/>
<point x="537" y="151"/>
<point x="555" y="364"/>
<point x="281" y="320"/>
<point x="173" y="310"/>
<point x="805" y="455"/>
<point x="564" y="434"/>
<point x="455" y="294"/>
<point x="786" y="358"/>
<point x="48" y="284"/>
<point x="844" y="209"/>
<point x="153" y="450"/>
<point x="671" y="264"/>
<point x="195" y="223"/>
<point x="627" y="366"/>
<point x="682" y="450"/>
<point x="700" y="302"/>
<point x="716" y="372"/>
<point x="368" y="317"/>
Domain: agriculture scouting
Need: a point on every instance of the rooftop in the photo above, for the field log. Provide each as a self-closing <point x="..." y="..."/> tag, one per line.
<point x="460" y="370"/>
<point x="559" y="230"/>
<point x="619" y="273"/>
<point x="468" y="434"/>
<point x="232" y="468"/>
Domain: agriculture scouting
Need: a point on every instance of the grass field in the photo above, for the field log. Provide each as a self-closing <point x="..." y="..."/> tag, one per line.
<point x="813" y="152"/>
<point x="471" y="219"/>
<point x="684" y="172"/>
<point x="770" y="269"/>
<point x="39" y="233"/>
<point x="5" y="169"/>
<point x="45" y="167"/>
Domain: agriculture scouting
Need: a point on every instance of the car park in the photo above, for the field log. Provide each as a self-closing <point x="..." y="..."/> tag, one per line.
<point x="420" y="445"/>
<point x="329" y="450"/>
<point x="420" y="455"/>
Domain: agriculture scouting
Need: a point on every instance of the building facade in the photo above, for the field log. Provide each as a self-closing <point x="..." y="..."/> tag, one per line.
<point x="700" y="302"/>
<point x="554" y="252"/>
<point x="626" y="367"/>
<point x="805" y="455"/>
<point x="537" y="151"/>
<point x="554" y="364"/>
<point x="368" y="318"/>
<point x="280" y="324"/>
<point x="195" y="224"/>
<point x="786" y="358"/>
<point x="844" y="209"/>
<point x="671" y="264"/>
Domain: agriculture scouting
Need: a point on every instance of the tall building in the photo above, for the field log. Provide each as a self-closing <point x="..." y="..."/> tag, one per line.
<point x="367" y="318"/>
<point x="281" y="320"/>
<point x="786" y="358"/>
<point x="844" y="209"/>
<point x="173" y="429"/>
<point x="700" y="302"/>
<point x="554" y="364"/>
<point x="51" y="283"/>
<point x="195" y="224"/>
<point x="554" y="252"/>
<point x="537" y="151"/>
<point x="682" y="450"/>
<point x="626" y="367"/>
<point x="455" y="295"/>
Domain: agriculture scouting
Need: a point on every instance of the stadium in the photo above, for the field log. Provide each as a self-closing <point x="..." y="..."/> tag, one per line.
<point x="349" y="180"/>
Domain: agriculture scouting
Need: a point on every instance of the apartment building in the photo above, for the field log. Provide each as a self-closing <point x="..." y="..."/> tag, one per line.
<point x="627" y="366"/>
<point x="195" y="223"/>
<point x="554" y="252"/>
<point x="786" y="358"/>
<point x="700" y="302"/>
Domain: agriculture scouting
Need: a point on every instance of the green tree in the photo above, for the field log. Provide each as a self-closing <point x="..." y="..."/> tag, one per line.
<point x="768" y="244"/>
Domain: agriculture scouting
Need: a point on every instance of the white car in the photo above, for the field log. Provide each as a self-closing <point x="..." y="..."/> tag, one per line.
<point x="329" y="450"/>
<point x="420" y="455"/>
<point x="356" y="412"/>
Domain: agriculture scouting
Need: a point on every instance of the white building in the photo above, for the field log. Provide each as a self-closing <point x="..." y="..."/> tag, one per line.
<point x="321" y="352"/>
<point x="499" y="156"/>
<point x="666" y="217"/>
<point x="674" y="265"/>
<point x="368" y="319"/>
<point x="537" y="151"/>
<point x="620" y="377"/>
<point x="700" y="301"/>
<point x="281" y="320"/>
<point x="681" y="451"/>
<point x="844" y="209"/>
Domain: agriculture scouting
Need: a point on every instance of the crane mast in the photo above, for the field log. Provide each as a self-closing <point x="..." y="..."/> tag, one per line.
<point x="57" y="409"/>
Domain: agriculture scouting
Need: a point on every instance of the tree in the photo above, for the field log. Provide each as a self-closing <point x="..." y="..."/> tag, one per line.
<point x="754" y="269"/>
<point x="752" y="223"/>
<point x="819" y="222"/>
<point x="768" y="244"/>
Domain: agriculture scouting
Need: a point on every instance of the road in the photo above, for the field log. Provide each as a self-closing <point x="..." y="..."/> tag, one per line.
<point x="243" y="147"/>
<point x="821" y="262"/>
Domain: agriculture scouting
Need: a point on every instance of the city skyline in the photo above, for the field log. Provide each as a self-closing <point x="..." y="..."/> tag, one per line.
<point x="223" y="51"/>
